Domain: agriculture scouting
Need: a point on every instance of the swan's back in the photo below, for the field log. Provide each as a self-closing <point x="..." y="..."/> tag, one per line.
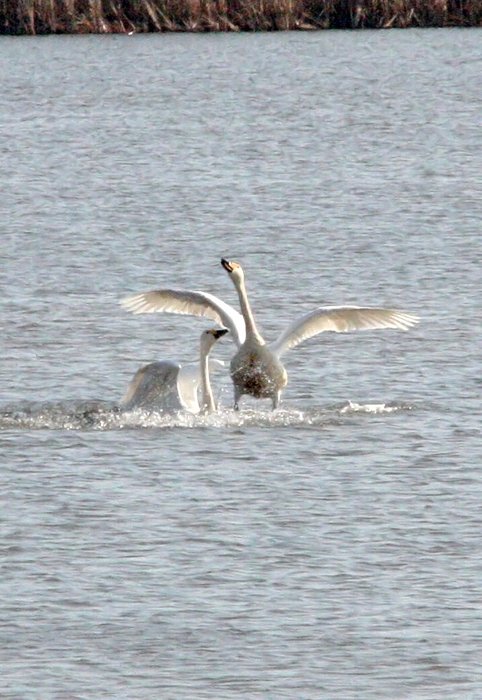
<point x="166" y="386"/>
<point x="154" y="387"/>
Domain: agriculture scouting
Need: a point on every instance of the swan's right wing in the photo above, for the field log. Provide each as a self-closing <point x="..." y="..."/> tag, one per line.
<point x="191" y="303"/>
<point x="340" y="319"/>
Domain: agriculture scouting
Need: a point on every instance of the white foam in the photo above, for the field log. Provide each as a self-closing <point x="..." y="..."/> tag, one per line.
<point x="100" y="416"/>
<point x="353" y="407"/>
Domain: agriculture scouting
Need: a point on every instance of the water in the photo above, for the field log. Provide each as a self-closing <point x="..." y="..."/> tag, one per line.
<point x="328" y="550"/>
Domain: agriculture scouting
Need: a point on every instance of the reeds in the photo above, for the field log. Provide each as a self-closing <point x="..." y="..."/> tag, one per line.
<point x="126" y="16"/>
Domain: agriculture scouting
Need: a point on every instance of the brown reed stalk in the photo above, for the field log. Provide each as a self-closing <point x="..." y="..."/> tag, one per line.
<point x="98" y="16"/>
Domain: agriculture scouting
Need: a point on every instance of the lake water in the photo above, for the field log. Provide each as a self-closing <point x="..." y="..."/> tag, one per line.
<point x="328" y="550"/>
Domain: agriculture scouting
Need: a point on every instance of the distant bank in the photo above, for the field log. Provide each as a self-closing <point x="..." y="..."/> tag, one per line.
<point x="129" y="16"/>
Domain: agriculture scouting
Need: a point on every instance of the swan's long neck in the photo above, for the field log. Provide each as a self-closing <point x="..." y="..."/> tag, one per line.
<point x="207" y="399"/>
<point x="251" y="330"/>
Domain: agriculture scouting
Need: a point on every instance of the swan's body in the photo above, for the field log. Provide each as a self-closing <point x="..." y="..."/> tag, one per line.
<point x="256" y="368"/>
<point x="169" y="386"/>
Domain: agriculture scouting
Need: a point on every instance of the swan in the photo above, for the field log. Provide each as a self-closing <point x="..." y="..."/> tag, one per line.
<point x="170" y="386"/>
<point x="256" y="368"/>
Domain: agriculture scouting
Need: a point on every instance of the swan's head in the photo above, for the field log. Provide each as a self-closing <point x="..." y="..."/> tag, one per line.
<point x="209" y="337"/>
<point x="233" y="268"/>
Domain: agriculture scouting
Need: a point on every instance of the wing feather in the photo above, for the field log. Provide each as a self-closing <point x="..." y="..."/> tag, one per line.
<point x="340" y="319"/>
<point x="191" y="303"/>
<point x="189" y="381"/>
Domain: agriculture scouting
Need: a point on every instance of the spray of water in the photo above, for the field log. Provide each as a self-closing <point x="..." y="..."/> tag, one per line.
<point x="101" y="415"/>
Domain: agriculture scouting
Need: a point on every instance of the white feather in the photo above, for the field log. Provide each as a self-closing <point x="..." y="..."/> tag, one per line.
<point x="191" y="303"/>
<point x="340" y="319"/>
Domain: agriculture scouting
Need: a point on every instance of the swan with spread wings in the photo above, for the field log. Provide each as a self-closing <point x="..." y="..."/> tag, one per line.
<point x="256" y="368"/>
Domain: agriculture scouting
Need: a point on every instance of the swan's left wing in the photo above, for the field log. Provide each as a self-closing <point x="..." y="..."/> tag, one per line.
<point x="189" y="382"/>
<point x="340" y="319"/>
<point x="191" y="303"/>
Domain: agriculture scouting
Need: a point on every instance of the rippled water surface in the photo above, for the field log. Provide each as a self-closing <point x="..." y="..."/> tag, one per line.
<point x="330" y="549"/>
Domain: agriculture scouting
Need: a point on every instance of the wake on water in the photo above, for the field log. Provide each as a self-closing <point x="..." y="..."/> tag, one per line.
<point x="103" y="415"/>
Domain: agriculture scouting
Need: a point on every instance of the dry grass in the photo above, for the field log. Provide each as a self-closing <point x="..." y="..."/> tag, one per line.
<point x="101" y="16"/>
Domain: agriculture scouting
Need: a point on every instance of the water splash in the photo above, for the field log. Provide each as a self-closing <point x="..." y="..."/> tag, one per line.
<point x="353" y="407"/>
<point x="105" y="416"/>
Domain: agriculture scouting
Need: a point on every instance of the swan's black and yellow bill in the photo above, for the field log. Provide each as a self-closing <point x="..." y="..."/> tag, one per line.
<point x="228" y="266"/>
<point x="219" y="332"/>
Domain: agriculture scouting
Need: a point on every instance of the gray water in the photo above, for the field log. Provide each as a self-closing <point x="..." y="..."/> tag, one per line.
<point x="330" y="549"/>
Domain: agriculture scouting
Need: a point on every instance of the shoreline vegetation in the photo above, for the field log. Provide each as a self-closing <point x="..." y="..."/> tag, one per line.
<point x="31" y="17"/>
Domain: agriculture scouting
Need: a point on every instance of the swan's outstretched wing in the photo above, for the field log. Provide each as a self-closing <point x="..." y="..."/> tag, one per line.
<point x="340" y="319"/>
<point x="191" y="303"/>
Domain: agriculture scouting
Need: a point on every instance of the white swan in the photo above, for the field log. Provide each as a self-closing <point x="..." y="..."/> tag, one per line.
<point x="256" y="368"/>
<point x="169" y="386"/>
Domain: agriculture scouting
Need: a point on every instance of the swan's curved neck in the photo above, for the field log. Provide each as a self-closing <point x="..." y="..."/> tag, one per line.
<point x="207" y="399"/>
<point x="251" y="330"/>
